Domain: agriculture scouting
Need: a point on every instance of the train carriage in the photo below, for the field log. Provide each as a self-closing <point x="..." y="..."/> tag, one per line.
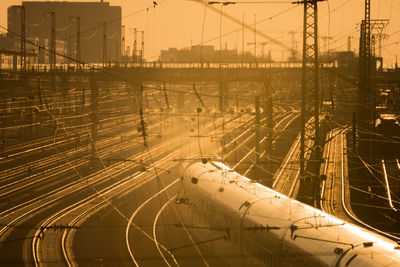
<point x="270" y="229"/>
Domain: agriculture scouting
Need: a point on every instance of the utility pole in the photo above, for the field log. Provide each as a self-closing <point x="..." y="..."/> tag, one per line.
<point x="269" y="130"/>
<point x="294" y="45"/>
<point x="237" y="99"/>
<point x="104" y="44"/>
<point x="78" y="43"/>
<point x="366" y="105"/>
<point x="134" y="54"/>
<point x="221" y="96"/>
<point x="365" y="64"/>
<point x="143" y="124"/>
<point x="71" y="20"/>
<point x="78" y="61"/>
<point x="142" y="53"/>
<point x="257" y="129"/>
<point x="349" y="43"/>
<point x="373" y="95"/>
<point x="166" y="97"/>
<point x="255" y="38"/>
<point x="243" y="52"/>
<point x="23" y="41"/>
<point x="93" y="115"/>
<point x="220" y="39"/>
<point x="310" y="100"/>
<point x="221" y="109"/>
<point x="123" y="46"/>
<point x="52" y="41"/>
<point x="354" y="132"/>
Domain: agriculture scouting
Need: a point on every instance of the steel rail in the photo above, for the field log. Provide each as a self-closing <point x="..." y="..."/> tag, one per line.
<point x="347" y="213"/>
<point x="154" y="228"/>
<point x="388" y="191"/>
<point x="133" y="216"/>
<point x="105" y="194"/>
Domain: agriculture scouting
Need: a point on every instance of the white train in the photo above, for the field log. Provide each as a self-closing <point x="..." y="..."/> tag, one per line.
<point x="270" y="229"/>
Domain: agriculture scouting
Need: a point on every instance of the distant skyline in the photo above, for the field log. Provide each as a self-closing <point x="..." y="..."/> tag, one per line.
<point x="179" y="23"/>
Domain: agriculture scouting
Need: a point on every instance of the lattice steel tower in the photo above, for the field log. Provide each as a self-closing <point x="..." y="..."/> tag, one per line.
<point x="364" y="109"/>
<point x="310" y="135"/>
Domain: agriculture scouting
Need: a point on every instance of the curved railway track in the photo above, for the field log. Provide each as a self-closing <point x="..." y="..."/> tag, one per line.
<point x="46" y="224"/>
<point x="103" y="190"/>
<point x="66" y="237"/>
<point x="335" y="193"/>
<point x="390" y="180"/>
<point x="156" y="244"/>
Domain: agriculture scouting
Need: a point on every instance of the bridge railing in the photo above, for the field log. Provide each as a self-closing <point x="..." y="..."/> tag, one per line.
<point x="98" y="67"/>
<point x="197" y="65"/>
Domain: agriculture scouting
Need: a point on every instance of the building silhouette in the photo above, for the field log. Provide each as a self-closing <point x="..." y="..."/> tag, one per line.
<point x="93" y="16"/>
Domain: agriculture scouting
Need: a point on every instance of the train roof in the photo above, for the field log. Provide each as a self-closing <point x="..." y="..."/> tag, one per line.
<point x="319" y="233"/>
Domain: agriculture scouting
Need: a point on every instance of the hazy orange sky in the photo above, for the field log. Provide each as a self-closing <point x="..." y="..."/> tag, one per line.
<point x="179" y="23"/>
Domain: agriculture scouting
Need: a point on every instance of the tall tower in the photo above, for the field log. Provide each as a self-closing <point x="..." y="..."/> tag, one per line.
<point x="78" y="43"/>
<point x="364" y="108"/>
<point x="52" y="54"/>
<point x="104" y="44"/>
<point x="310" y="100"/>
<point x="23" y="40"/>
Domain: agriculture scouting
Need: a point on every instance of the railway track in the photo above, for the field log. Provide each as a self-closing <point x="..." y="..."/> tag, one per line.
<point x="286" y="179"/>
<point x="156" y="244"/>
<point x="53" y="209"/>
<point x="43" y="248"/>
<point x="61" y="176"/>
<point x="68" y="157"/>
<point x="71" y="189"/>
<point x="392" y="183"/>
<point x="280" y="127"/>
<point x="65" y="236"/>
<point x="335" y="193"/>
<point x="170" y="258"/>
